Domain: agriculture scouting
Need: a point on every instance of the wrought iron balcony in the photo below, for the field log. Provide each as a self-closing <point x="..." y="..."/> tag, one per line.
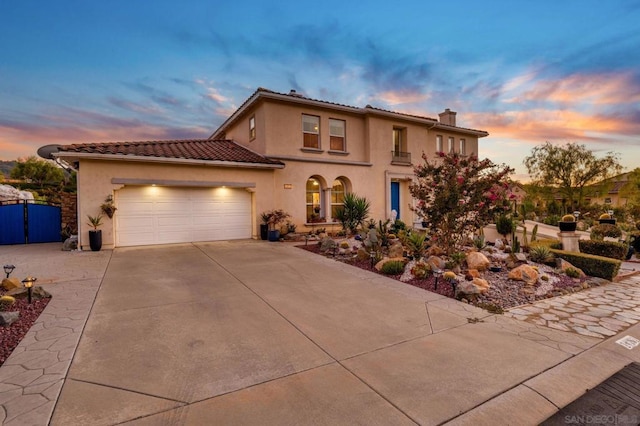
<point x="399" y="157"/>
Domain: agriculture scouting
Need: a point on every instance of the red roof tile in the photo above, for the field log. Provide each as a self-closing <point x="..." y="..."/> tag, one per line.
<point x="193" y="149"/>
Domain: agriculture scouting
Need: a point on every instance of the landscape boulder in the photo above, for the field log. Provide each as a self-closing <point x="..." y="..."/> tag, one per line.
<point x="436" y="262"/>
<point x="396" y="249"/>
<point x="36" y="293"/>
<point x="477" y="261"/>
<point x="524" y="273"/>
<point x="467" y="288"/>
<point x="327" y="244"/>
<point x="482" y="284"/>
<point x="8" y="318"/>
<point x="11" y="283"/>
<point x="564" y="265"/>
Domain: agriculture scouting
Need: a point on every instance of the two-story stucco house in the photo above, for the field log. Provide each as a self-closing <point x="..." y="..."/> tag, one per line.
<point x="283" y="151"/>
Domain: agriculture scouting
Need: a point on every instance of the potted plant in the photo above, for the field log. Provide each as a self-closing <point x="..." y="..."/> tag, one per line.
<point x="264" y="226"/>
<point x="276" y="217"/>
<point x="567" y="223"/>
<point x="95" y="235"/>
<point x="108" y="207"/>
<point x="606" y="218"/>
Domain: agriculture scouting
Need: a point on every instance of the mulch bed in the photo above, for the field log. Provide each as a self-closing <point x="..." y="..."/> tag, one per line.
<point x="503" y="294"/>
<point x="12" y="335"/>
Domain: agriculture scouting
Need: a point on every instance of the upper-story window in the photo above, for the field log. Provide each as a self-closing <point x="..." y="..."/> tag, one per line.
<point x="463" y="147"/>
<point x="252" y="127"/>
<point x="450" y="145"/>
<point x="439" y="147"/>
<point x="397" y="140"/>
<point x="337" y="135"/>
<point x="311" y="131"/>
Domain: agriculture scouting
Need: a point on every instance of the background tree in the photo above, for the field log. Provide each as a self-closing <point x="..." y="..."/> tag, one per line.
<point x="458" y="195"/>
<point x="570" y="168"/>
<point x="631" y="189"/>
<point x="38" y="171"/>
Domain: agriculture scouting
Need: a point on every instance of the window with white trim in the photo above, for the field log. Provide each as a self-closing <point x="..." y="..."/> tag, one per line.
<point x="439" y="147"/>
<point x="252" y="127"/>
<point x="314" y="208"/>
<point x="311" y="131"/>
<point x="337" y="135"/>
<point x="463" y="147"/>
<point x="337" y="197"/>
<point x="450" y="145"/>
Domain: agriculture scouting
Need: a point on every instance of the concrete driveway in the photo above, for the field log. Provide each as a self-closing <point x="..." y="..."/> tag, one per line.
<point x="265" y="333"/>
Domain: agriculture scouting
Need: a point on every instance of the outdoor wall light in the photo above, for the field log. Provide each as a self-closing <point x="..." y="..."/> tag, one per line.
<point x="8" y="269"/>
<point x="437" y="273"/>
<point x="28" y="284"/>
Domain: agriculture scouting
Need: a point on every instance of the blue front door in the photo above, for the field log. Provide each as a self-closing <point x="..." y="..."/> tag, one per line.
<point x="395" y="197"/>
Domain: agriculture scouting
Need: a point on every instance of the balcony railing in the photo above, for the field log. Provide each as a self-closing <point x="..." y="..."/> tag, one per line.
<point x="400" y="157"/>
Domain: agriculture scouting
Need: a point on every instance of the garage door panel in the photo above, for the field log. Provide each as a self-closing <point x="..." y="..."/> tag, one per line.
<point x="135" y="223"/>
<point x="161" y="215"/>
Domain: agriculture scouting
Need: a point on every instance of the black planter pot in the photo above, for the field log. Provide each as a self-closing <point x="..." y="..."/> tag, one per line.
<point x="274" y="235"/>
<point x="608" y="221"/>
<point x="95" y="240"/>
<point x="264" y="231"/>
<point x="567" y="226"/>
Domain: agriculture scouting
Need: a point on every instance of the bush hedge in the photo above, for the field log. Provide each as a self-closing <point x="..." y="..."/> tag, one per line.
<point x="595" y="266"/>
<point x="393" y="267"/>
<point x="598" y="232"/>
<point x="610" y="249"/>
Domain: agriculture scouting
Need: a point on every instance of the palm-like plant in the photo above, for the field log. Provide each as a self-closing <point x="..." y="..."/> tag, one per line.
<point x="353" y="212"/>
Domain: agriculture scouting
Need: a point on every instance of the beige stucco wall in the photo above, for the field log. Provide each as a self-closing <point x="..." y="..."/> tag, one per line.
<point x="367" y="165"/>
<point x="95" y="177"/>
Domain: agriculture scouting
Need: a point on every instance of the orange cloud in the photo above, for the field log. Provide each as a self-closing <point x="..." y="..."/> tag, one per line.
<point x="577" y="89"/>
<point x="392" y="97"/>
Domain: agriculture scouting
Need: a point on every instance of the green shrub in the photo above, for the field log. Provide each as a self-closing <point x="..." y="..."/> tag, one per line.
<point x="421" y="269"/>
<point x="393" y="267"/>
<point x="610" y="249"/>
<point x="416" y="244"/>
<point x="504" y="225"/>
<point x="541" y="254"/>
<point x="572" y="272"/>
<point x="598" y="232"/>
<point x="595" y="266"/>
<point x="6" y="302"/>
<point x="552" y="220"/>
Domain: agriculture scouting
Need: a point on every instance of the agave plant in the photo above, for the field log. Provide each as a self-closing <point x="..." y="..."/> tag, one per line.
<point x="541" y="254"/>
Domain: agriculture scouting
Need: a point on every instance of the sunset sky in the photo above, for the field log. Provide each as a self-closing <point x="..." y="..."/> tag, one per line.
<point x="525" y="71"/>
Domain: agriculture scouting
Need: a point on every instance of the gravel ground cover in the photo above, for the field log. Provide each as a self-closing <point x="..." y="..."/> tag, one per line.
<point x="11" y="335"/>
<point x="504" y="293"/>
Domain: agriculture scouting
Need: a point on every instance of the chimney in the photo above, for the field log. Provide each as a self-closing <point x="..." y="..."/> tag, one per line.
<point x="448" y="117"/>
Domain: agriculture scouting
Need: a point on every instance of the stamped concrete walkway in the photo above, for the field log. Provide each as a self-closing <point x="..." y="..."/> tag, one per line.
<point x="264" y="333"/>
<point x="596" y="312"/>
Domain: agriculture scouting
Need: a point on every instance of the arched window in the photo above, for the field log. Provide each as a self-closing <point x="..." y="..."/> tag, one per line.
<point x="337" y="196"/>
<point x="314" y="207"/>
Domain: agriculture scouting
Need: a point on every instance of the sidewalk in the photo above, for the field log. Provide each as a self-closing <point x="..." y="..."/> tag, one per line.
<point x="252" y="332"/>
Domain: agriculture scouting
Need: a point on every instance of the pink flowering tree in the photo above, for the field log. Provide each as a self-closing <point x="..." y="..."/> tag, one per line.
<point x="457" y="195"/>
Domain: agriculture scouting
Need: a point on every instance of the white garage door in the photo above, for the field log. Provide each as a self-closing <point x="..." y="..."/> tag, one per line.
<point x="163" y="215"/>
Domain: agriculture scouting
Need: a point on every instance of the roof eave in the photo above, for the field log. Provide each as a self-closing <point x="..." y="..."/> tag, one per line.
<point x="77" y="156"/>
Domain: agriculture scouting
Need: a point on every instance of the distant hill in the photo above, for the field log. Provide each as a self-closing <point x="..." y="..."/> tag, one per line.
<point x="6" y="166"/>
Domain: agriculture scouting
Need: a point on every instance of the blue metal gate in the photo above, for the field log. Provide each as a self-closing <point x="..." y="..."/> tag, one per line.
<point x="22" y="223"/>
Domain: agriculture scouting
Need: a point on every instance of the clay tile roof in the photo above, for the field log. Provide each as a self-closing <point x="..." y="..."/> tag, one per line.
<point x="193" y="149"/>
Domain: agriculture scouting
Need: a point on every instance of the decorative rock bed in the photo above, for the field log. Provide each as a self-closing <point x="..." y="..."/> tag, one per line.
<point x="534" y="281"/>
